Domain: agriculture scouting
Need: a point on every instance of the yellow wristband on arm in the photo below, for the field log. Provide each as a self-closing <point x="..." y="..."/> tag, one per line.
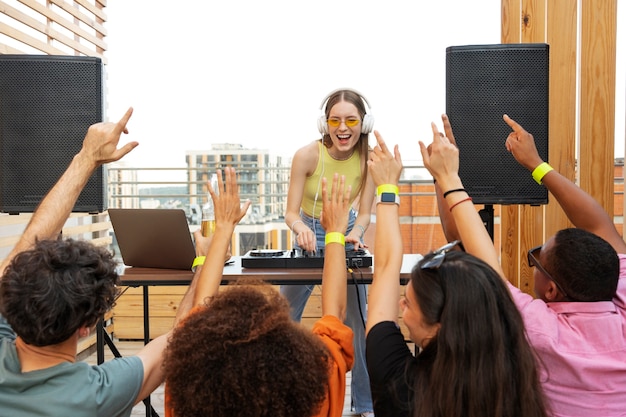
<point x="387" y="188"/>
<point x="387" y="193"/>
<point x="541" y="171"/>
<point x="335" y="237"/>
<point x="198" y="261"/>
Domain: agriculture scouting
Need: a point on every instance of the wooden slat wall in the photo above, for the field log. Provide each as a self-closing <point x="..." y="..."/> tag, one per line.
<point x="556" y="22"/>
<point x="54" y="27"/>
<point x="92" y="227"/>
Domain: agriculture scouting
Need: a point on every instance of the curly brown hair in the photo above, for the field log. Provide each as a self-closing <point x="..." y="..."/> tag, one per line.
<point x="242" y="355"/>
<point x="58" y="286"/>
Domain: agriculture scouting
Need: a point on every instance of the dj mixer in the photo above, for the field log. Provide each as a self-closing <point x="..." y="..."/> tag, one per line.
<point x="297" y="258"/>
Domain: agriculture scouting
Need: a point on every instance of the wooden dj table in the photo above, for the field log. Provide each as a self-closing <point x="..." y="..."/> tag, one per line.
<point x="143" y="277"/>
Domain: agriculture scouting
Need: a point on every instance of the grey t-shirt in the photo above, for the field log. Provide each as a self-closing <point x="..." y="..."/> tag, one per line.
<point x="68" y="389"/>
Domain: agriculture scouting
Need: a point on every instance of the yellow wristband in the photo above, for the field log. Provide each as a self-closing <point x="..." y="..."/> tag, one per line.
<point x="199" y="260"/>
<point x="541" y="171"/>
<point x="387" y="188"/>
<point x="335" y="237"/>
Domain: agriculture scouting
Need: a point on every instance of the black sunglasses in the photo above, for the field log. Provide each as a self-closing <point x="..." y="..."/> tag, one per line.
<point x="533" y="260"/>
<point x="439" y="255"/>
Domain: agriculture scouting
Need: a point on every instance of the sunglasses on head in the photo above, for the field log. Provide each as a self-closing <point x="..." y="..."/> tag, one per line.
<point x="438" y="256"/>
<point x="533" y="260"/>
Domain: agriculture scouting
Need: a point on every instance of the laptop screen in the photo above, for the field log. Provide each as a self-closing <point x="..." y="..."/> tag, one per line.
<point x="153" y="238"/>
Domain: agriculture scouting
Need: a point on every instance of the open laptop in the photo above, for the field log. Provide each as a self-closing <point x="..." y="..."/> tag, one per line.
<point x="153" y="238"/>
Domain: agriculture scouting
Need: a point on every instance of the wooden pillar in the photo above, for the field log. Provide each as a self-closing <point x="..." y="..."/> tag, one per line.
<point x="562" y="29"/>
<point x="557" y="23"/>
<point x="597" y="99"/>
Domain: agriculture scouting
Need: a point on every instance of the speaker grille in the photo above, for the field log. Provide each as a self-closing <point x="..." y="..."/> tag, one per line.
<point x="483" y="82"/>
<point x="47" y="103"/>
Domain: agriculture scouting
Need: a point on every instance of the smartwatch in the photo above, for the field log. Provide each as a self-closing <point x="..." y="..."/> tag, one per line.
<point x="388" y="198"/>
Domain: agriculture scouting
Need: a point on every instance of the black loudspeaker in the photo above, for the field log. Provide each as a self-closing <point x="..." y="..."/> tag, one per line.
<point x="483" y="82"/>
<point x="47" y="103"/>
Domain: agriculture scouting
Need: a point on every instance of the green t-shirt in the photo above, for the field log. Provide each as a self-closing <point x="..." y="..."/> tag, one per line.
<point x="68" y="389"/>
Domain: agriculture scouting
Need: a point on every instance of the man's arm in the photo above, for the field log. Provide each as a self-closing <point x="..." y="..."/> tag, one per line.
<point x="581" y="209"/>
<point x="334" y="220"/>
<point x="99" y="147"/>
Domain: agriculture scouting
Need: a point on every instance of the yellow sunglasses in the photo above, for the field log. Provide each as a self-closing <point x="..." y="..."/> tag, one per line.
<point x="347" y="122"/>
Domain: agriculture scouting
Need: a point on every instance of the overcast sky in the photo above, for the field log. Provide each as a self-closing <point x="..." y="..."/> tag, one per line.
<point x="255" y="72"/>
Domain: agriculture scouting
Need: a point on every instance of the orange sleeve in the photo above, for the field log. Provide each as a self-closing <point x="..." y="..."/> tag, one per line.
<point x="338" y="339"/>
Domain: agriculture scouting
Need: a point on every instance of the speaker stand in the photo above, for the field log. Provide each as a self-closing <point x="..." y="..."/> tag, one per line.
<point x="486" y="214"/>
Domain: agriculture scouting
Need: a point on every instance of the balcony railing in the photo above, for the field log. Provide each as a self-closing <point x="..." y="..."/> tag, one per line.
<point x="266" y="187"/>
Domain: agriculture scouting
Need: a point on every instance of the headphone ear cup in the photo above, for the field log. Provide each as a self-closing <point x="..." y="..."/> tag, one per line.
<point x="367" y="124"/>
<point x="322" y="125"/>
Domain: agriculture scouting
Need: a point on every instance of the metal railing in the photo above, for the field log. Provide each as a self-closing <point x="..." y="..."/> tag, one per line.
<point x="266" y="187"/>
<point x="179" y="188"/>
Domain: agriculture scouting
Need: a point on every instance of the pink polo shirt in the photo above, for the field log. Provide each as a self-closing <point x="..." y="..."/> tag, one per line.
<point x="582" y="350"/>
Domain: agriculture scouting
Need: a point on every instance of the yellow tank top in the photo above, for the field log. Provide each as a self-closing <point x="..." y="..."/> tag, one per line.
<point x="326" y="167"/>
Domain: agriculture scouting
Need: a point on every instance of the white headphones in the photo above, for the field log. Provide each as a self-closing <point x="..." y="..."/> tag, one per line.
<point x="368" y="120"/>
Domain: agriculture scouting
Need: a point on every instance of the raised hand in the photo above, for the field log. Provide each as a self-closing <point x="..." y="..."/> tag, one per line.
<point x="228" y="208"/>
<point x="334" y="219"/>
<point x="441" y="157"/>
<point x="100" y="143"/>
<point x="384" y="167"/>
<point x="522" y="146"/>
<point x="228" y="212"/>
<point x="336" y="207"/>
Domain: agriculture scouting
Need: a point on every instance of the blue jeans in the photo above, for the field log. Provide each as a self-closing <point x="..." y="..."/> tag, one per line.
<point x="356" y="316"/>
